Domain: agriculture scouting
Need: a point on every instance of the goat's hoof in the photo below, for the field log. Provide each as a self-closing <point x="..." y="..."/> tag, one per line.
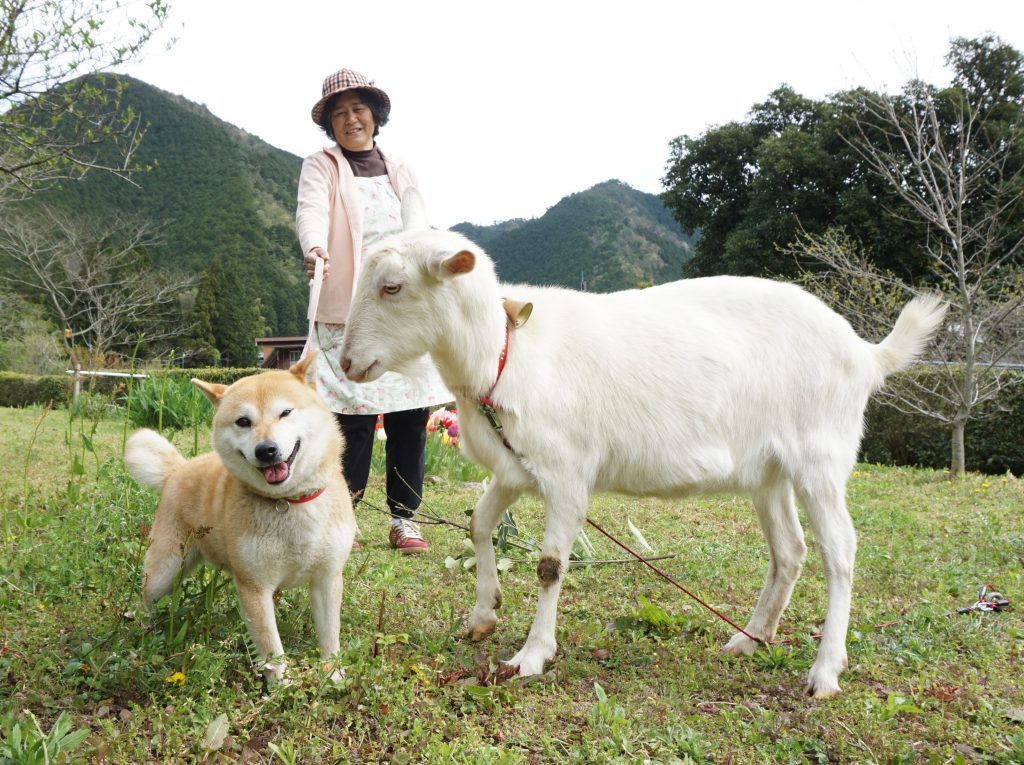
<point x="528" y="663"/>
<point x="822" y="684"/>
<point x="820" y="691"/>
<point x="275" y="674"/>
<point x="740" y="645"/>
<point x="478" y="633"/>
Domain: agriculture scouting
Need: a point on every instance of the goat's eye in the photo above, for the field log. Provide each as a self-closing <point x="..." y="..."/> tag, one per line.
<point x="243" y="422"/>
<point x="286" y="412"/>
<point x="391" y="289"/>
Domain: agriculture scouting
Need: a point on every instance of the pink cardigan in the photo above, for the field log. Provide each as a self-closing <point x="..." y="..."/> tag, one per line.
<point x="330" y="215"/>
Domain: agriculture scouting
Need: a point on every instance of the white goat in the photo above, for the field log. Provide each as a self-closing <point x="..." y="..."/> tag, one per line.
<point x="717" y="384"/>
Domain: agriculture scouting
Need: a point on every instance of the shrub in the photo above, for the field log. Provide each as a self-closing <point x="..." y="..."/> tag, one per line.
<point x="19" y="390"/>
<point x="166" y="402"/>
<point x="992" y="438"/>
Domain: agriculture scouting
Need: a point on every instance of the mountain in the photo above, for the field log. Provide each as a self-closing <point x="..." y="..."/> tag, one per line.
<point x="609" y="237"/>
<point x="225" y="202"/>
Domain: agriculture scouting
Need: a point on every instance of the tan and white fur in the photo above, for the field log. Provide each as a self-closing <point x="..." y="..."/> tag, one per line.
<point x="274" y="441"/>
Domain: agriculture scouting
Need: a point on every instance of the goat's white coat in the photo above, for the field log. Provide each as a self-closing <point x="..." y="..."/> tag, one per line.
<point x="703" y="385"/>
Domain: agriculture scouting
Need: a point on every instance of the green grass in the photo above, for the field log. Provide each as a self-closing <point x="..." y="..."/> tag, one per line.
<point x="638" y="676"/>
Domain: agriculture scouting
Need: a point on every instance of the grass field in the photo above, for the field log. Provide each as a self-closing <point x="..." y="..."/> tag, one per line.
<point x="86" y="676"/>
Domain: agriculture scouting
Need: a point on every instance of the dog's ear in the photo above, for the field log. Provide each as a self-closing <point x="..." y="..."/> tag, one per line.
<point x="213" y="391"/>
<point x="305" y="368"/>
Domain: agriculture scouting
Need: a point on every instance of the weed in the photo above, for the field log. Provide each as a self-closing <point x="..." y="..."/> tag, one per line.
<point x="167" y="402"/>
<point x="650" y="620"/>
<point x="25" y="743"/>
<point x="774" y="658"/>
<point x="896" y="705"/>
<point x="609" y="720"/>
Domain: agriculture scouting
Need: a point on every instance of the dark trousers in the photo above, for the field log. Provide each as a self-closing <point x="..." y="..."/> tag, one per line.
<point x="404" y="455"/>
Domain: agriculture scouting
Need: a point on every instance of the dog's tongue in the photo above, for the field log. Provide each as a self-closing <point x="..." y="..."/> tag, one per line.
<point x="276" y="473"/>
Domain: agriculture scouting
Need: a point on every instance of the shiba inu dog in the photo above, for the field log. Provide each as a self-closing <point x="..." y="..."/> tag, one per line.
<point x="269" y="504"/>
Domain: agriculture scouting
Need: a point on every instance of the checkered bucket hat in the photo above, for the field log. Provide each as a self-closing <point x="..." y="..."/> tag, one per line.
<point x="346" y="79"/>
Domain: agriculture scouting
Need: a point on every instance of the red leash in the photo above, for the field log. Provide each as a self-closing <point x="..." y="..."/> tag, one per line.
<point x="676" y="584"/>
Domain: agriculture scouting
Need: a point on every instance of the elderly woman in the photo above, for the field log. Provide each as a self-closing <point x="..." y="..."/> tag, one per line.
<point x="349" y="198"/>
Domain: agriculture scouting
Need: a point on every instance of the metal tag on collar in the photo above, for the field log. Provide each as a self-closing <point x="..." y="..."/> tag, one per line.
<point x="282" y="505"/>
<point x="487" y="410"/>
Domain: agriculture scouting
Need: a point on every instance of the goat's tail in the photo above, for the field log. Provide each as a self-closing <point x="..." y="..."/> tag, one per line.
<point x="916" y="324"/>
<point x="150" y="458"/>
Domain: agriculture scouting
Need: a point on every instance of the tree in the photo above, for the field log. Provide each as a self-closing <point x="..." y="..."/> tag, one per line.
<point x="53" y="118"/>
<point x="226" y="319"/>
<point x="750" y="187"/>
<point x="955" y="157"/>
<point x="96" y="283"/>
<point x="29" y="343"/>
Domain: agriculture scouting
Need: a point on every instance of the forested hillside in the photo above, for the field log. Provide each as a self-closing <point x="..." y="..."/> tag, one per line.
<point x="224" y="203"/>
<point x="609" y="237"/>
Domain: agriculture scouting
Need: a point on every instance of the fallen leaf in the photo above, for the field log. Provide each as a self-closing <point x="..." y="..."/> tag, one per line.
<point x="215" y="734"/>
<point x="1015" y="714"/>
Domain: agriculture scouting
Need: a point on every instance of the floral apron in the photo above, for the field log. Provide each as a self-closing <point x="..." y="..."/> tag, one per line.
<point x="391" y="392"/>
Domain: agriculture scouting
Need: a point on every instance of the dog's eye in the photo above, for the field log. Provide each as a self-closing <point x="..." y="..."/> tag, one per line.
<point x="391" y="289"/>
<point x="243" y="422"/>
<point x="286" y="412"/>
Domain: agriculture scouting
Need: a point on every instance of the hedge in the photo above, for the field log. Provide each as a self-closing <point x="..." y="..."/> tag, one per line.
<point x="25" y="390"/>
<point x="994" y="441"/>
<point x="18" y="390"/>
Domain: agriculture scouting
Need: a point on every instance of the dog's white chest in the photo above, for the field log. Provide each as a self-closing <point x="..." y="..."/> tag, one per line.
<point x="290" y="549"/>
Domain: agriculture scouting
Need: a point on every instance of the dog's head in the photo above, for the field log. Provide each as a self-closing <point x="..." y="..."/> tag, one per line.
<point x="272" y="431"/>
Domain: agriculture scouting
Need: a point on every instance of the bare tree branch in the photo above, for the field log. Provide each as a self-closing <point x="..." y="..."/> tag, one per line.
<point x="56" y="123"/>
<point x="97" y="284"/>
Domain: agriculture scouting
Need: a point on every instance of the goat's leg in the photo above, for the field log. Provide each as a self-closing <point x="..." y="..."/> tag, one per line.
<point x="776" y="512"/>
<point x="564" y="516"/>
<point x="495" y="500"/>
<point x="825" y="503"/>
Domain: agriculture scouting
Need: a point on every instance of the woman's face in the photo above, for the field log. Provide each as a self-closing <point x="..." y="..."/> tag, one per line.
<point x="352" y="122"/>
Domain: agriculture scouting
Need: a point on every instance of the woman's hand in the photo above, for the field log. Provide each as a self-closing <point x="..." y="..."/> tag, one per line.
<point x="309" y="261"/>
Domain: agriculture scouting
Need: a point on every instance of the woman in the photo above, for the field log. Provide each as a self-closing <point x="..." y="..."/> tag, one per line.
<point x="349" y="197"/>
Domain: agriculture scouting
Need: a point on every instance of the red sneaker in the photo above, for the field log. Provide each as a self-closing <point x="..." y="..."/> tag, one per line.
<point x="406" y="538"/>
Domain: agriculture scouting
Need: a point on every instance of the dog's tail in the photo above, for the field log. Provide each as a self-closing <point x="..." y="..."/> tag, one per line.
<point x="918" y="321"/>
<point x="150" y="458"/>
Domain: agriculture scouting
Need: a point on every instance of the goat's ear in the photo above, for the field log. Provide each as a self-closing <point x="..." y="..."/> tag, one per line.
<point x="213" y="391"/>
<point x="414" y="211"/>
<point x="443" y="266"/>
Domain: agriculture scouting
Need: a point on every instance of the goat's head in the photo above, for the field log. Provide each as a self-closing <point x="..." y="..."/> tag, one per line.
<point x="403" y="300"/>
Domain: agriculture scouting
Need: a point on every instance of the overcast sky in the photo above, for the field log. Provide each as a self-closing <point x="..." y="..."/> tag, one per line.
<point x="504" y="108"/>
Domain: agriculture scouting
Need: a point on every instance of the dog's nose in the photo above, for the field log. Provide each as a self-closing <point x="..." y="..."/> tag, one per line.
<point x="345" y="365"/>
<point x="267" y="452"/>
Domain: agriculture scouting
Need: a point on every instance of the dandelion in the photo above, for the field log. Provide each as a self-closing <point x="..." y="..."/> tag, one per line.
<point x="177" y="678"/>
